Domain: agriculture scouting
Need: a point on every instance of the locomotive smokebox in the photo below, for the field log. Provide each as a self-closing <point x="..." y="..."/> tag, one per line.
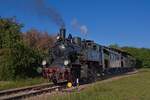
<point x="63" y="33"/>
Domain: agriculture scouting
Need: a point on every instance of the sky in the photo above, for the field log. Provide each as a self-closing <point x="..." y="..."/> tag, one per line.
<point x="122" y="22"/>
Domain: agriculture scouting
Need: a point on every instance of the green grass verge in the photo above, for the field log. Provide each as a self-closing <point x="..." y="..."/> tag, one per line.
<point x="21" y="83"/>
<point x="136" y="87"/>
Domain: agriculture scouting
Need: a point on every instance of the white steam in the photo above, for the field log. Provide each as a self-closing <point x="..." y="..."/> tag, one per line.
<point x="84" y="29"/>
<point x="80" y="27"/>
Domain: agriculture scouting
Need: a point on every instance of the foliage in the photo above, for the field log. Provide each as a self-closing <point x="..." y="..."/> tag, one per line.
<point x="25" y="61"/>
<point x="6" y="68"/>
<point x="9" y="32"/>
<point x="38" y="40"/>
<point x="9" y="36"/>
<point x="114" y="46"/>
<point x="17" y="60"/>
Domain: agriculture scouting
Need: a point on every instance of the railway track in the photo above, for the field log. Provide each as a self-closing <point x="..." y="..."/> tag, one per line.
<point x="20" y="93"/>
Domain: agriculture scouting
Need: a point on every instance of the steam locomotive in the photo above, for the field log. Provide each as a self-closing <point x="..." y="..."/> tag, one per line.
<point x="72" y="59"/>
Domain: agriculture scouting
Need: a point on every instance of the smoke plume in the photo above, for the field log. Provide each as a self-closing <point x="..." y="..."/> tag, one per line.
<point x="49" y="12"/>
<point x="76" y="25"/>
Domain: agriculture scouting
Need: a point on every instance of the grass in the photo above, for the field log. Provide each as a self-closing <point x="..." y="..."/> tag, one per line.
<point x="21" y="83"/>
<point x="136" y="87"/>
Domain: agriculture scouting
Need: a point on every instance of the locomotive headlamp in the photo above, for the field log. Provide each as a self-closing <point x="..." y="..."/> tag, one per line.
<point x="44" y="62"/>
<point x="66" y="62"/>
<point x="58" y="37"/>
<point x="62" y="46"/>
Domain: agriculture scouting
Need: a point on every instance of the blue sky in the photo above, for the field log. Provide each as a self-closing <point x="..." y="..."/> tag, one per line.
<point x="124" y="22"/>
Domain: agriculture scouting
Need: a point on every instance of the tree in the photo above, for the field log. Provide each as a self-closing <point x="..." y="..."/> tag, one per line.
<point x="6" y="69"/>
<point x="38" y="40"/>
<point x="9" y="36"/>
<point x="114" y="46"/>
<point x="16" y="58"/>
<point x="9" y="32"/>
<point x="26" y="61"/>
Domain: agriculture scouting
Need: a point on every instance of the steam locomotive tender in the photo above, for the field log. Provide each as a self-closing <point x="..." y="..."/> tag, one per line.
<point x="72" y="58"/>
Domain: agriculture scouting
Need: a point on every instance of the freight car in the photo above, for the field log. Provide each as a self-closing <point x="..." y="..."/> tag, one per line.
<point x="72" y="59"/>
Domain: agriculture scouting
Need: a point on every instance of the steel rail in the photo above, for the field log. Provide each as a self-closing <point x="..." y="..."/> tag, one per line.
<point x="27" y="91"/>
<point x="9" y="91"/>
<point x="30" y="93"/>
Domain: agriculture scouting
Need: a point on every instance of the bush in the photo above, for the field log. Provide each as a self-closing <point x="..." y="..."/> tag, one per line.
<point x="25" y="61"/>
<point x="6" y="69"/>
<point x="19" y="62"/>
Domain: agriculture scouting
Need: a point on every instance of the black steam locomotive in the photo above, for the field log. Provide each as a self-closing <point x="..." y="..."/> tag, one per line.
<point x="72" y="59"/>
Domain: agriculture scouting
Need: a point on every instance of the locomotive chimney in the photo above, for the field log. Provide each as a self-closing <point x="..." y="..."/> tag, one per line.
<point x="63" y="33"/>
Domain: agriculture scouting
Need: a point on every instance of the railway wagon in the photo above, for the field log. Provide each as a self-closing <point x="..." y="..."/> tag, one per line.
<point x="73" y="59"/>
<point x="118" y="61"/>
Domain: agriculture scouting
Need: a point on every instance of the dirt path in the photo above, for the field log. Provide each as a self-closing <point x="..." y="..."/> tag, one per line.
<point x="80" y="88"/>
